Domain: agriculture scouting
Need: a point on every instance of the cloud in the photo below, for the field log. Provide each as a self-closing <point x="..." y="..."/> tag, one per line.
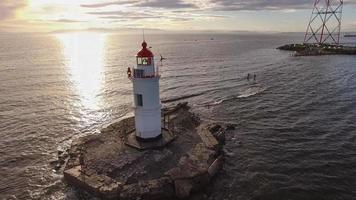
<point x="117" y="12"/>
<point x="57" y="20"/>
<point x="216" y="5"/>
<point x="167" y="14"/>
<point x="67" y="21"/>
<point x="8" y="8"/>
<point x="130" y="17"/>
<point x="124" y="15"/>
<point x="110" y="3"/>
<point x="255" y="5"/>
<point x="168" y="4"/>
<point x="122" y="30"/>
<point x="165" y="4"/>
<point x="120" y="14"/>
<point x="167" y="10"/>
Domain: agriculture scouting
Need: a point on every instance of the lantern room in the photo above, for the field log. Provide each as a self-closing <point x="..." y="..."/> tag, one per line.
<point x="145" y="56"/>
<point x="145" y="67"/>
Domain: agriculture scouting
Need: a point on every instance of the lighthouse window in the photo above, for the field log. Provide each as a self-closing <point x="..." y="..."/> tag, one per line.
<point x="139" y="100"/>
<point x="139" y="61"/>
<point x="143" y="61"/>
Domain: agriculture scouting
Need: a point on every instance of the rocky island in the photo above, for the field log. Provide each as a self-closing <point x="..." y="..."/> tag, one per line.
<point x="103" y="165"/>
<point x="318" y="49"/>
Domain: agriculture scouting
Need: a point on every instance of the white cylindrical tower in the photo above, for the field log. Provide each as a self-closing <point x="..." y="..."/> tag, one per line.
<point x="147" y="104"/>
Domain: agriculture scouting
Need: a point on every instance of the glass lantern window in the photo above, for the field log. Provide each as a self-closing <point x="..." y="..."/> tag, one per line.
<point x="143" y="61"/>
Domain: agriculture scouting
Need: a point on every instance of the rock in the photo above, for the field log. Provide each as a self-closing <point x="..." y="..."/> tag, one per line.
<point x="61" y="161"/>
<point x="230" y="127"/>
<point x="215" y="166"/>
<point x="317" y="49"/>
<point x="202" y="155"/>
<point x="57" y="167"/>
<point x="159" y="156"/>
<point x="72" y="162"/>
<point x="220" y="136"/>
<point x="183" y="188"/>
<point x="187" y="169"/>
<point x="63" y="156"/>
<point x="59" y="152"/>
<point x="91" y="181"/>
<point x="114" y="170"/>
<point x="162" y="188"/>
<point x="130" y="192"/>
<point x="53" y="162"/>
<point x="199" y="182"/>
<point x="57" y="164"/>
<point x="189" y="176"/>
<point x="214" y="128"/>
<point x="110" y="190"/>
<point x="208" y="139"/>
<point x="149" y="190"/>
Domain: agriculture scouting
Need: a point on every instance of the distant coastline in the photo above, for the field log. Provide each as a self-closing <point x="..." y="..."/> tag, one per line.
<point x="350" y="35"/>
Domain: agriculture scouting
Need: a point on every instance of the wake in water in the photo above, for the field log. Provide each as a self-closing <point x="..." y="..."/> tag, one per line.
<point x="174" y="99"/>
<point x="249" y="92"/>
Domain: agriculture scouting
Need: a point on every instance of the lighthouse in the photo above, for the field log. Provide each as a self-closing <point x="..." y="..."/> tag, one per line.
<point x="147" y="105"/>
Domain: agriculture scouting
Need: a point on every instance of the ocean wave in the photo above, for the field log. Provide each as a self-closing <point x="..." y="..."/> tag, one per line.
<point x="251" y="92"/>
<point x="170" y="100"/>
<point x="245" y="94"/>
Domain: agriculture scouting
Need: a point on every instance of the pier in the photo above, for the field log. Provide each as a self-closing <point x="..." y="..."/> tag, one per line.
<point x="318" y="49"/>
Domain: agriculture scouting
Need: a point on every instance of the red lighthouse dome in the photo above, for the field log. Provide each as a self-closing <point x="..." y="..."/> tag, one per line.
<point x="144" y="51"/>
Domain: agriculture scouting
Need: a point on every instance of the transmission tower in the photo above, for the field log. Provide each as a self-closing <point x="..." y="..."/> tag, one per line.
<point x="325" y="22"/>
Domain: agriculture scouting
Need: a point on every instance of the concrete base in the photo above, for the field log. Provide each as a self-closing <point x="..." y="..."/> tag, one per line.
<point x="106" y="166"/>
<point x="166" y="138"/>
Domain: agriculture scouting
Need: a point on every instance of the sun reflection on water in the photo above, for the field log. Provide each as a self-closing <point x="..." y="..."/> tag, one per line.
<point x="85" y="56"/>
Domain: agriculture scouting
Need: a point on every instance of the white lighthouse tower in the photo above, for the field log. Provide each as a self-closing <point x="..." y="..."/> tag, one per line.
<point x="147" y="104"/>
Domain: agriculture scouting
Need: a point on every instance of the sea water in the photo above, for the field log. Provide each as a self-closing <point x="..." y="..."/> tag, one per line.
<point x="296" y="131"/>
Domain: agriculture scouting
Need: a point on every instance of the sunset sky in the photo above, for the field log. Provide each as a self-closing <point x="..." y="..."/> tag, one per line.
<point x="116" y="15"/>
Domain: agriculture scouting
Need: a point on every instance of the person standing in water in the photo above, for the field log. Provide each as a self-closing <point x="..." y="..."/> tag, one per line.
<point x="254" y="77"/>
<point x="248" y="76"/>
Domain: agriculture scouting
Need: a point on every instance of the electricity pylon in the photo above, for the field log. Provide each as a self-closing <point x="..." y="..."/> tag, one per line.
<point x="325" y="22"/>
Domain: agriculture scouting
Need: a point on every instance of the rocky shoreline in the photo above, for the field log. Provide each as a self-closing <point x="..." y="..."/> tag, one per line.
<point x="318" y="50"/>
<point x="104" y="166"/>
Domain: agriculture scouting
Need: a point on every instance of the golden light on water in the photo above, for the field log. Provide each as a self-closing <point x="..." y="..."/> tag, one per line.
<point x="85" y="56"/>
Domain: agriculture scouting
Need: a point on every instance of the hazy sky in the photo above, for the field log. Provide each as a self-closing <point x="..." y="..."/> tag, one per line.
<point x="249" y="15"/>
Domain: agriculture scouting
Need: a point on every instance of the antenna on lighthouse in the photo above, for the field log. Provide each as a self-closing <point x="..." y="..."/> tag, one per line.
<point x="143" y="34"/>
<point x="161" y="62"/>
